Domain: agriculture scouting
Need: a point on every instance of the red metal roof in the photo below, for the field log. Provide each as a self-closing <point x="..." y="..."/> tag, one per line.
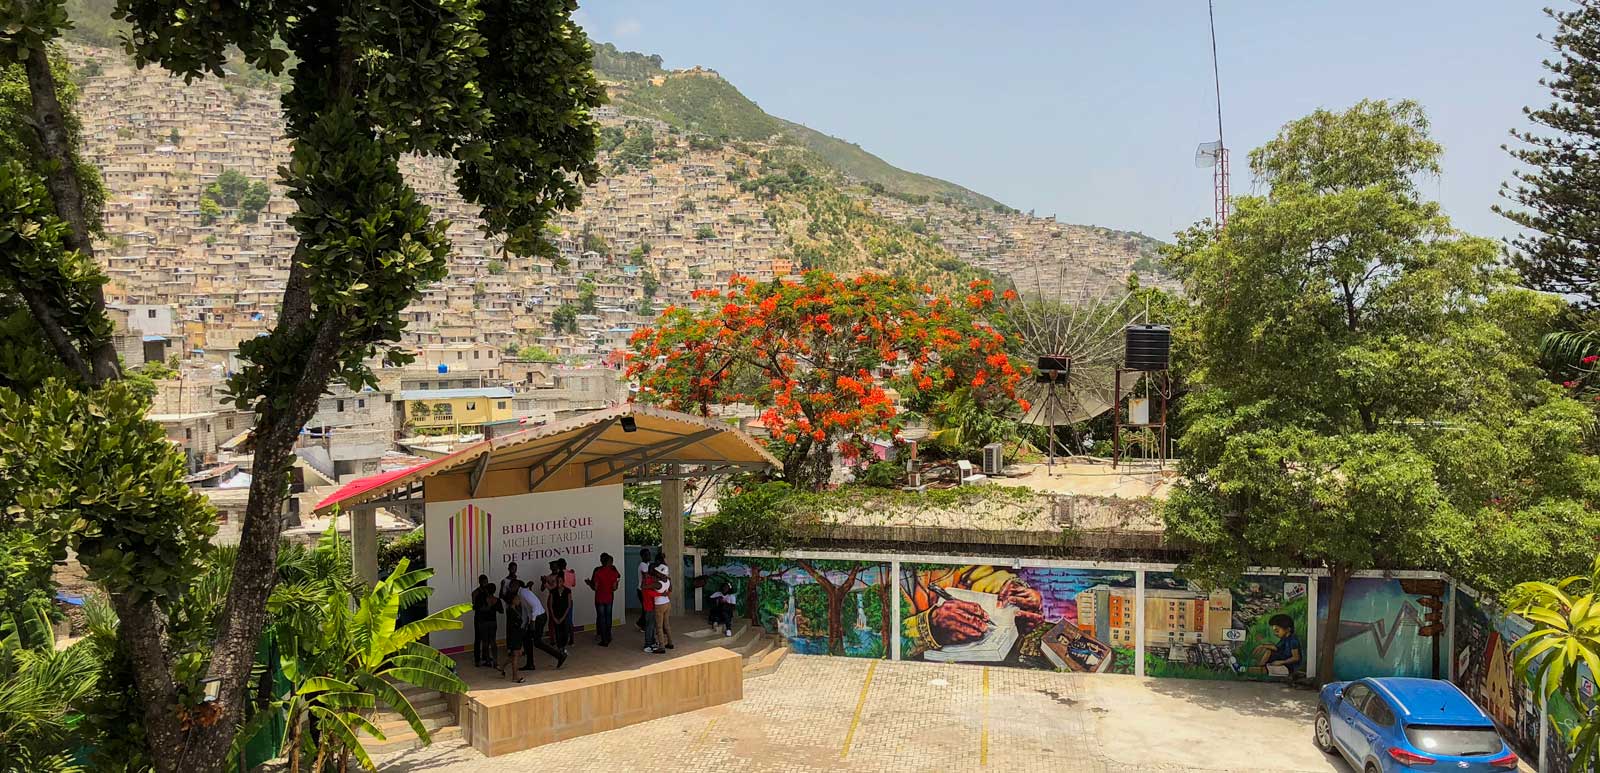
<point x="361" y="486"/>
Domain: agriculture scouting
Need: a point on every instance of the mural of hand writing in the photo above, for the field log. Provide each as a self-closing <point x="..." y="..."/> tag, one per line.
<point x="1029" y="604"/>
<point x="958" y="622"/>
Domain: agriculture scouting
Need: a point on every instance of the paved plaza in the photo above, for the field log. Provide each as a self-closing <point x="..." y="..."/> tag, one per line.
<point x="838" y="714"/>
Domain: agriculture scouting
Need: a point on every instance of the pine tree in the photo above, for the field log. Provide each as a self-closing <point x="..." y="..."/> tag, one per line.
<point x="1560" y="194"/>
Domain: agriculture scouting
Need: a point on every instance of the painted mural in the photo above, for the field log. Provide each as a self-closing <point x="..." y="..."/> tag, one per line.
<point x="1077" y="620"/>
<point x="1387" y="627"/>
<point x="1485" y="670"/>
<point x="822" y="607"/>
<point x="1254" y="630"/>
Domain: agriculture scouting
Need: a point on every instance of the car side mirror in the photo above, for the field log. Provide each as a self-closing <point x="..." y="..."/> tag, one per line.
<point x="1338" y="696"/>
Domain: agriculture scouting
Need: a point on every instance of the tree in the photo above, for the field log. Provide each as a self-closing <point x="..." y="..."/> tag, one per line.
<point x="565" y="318"/>
<point x="174" y="138"/>
<point x="810" y="354"/>
<point x="230" y="188"/>
<point x="495" y="267"/>
<point x="372" y="82"/>
<point x="705" y="232"/>
<point x="1556" y="202"/>
<point x="40" y="688"/>
<point x="1363" y="375"/>
<point x="648" y="284"/>
<point x="535" y="353"/>
<point x="253" y="200"/>
<point x="210" y="210"/>
<point x="1565" y="641"/>
<point x="593" y="242"/>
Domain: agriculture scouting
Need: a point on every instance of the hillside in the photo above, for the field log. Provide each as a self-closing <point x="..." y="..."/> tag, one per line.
<point x="700" y="100"/>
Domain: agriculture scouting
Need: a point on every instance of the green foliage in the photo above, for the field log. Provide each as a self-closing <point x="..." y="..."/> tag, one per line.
<point x="253" y="201"/>
<point x="593" y="242"/>
<point x="92" y="461"/>
<point x="565" y="318"/>
<point x="41" y="689"/>
<point x="586" y="297"/>
<point x="19" y="141"/>
<point x="495" y="267"/>
<point x="754" y="518"/>
<point x="1366" y="394"/>
<point x="1565" y="641"/>
<point x="705" y="232"/>
<point x="33" y="260"/>
<point x="615" y="64"/>
<point x="637" y="148"/>
<point x="410" y="546"/>
<point x="641" y="515"/>
<point x="536" y="353"/>
<point x="1560" y="249"/>
<point x="210" y="210"/>
<point x="376" y="246"/>
<point x="883" y="474"/>
<point x="229" y="189"/>
<point x="343" y="654"/>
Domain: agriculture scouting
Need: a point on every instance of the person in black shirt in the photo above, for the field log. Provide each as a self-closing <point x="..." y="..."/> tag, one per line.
<point x="560" y="602"/>
<point x="485" y="605"/>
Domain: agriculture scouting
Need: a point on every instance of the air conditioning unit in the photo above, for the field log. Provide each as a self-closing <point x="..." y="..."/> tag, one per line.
<point x="994" y="459"/>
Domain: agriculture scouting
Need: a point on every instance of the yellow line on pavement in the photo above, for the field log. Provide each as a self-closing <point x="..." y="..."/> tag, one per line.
<point x="701" y="739"/>
<point x="983" y="734"/>
<point x="861" y="703"/>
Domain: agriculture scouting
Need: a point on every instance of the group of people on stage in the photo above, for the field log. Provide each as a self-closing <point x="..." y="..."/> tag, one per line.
<point x="538" y="613"/>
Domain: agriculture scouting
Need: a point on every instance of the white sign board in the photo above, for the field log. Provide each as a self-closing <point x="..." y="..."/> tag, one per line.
<point x="469" y="537"/>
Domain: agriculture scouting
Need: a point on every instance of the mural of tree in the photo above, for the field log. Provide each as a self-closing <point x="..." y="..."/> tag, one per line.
<point x="761" y="569"/>
<point x="835" y="595"/>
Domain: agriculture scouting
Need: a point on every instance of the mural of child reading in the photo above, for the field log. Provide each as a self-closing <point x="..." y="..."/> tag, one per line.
<point x="1285" y="657"/>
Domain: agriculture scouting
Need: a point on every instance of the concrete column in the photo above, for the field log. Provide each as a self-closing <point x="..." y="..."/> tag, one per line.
<point x="1312" y="634"/>
<point x="894" y="609"/>
<point x="672" y="536"/>
<point x="364" y="541"/>
<point x="1138" y="622"/>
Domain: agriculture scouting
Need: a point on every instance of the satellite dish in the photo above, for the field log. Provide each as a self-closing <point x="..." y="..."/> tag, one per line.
<point x="1086" y="333"/>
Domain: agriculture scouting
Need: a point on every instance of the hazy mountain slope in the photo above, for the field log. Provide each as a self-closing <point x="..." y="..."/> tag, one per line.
<point x="700" y="100"/>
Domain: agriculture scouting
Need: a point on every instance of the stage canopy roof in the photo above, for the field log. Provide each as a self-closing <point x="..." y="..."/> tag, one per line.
<point x="636" y="443"/>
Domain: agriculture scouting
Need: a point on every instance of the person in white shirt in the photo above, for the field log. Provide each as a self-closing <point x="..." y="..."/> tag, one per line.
<point x="663" y="611"/>
<point x="723" y="603"/>
<point x="644" y="575"/>
<point x="534" y="618"/>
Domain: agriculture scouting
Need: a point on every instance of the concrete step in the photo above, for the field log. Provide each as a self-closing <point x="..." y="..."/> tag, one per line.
<point x="749" y="643"/>
<point x="408" y="740"/>
<point x="704" y="632"/>
<point x="767" y="664"/>
<point x="396" y="727"/>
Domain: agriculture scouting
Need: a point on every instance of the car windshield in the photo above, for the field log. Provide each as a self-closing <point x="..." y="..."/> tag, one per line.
<point x="1454" y="741"/>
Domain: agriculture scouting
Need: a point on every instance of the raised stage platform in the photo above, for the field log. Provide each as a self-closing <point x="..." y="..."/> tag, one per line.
<point x="600" y="688"/>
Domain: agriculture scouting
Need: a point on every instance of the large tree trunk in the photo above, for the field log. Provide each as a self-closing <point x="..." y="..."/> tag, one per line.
<point x="835" y="620"/>
<point x="1338" y="577"/>
<point x="99" y="363"/>
<point x="885" y="623"/>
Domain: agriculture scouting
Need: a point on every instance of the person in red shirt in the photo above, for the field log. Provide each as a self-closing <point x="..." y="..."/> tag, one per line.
<point x="604" y="582"/>
<point x="647" y="595"/>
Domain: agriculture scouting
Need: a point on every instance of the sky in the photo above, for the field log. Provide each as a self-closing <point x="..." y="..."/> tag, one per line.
<point x="1091" y="111"/>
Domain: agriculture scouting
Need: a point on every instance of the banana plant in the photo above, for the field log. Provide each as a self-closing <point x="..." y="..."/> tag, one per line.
<point x="1564" y="642"/>
<point x="39" y="689"/>
<point x="344" y="651"/>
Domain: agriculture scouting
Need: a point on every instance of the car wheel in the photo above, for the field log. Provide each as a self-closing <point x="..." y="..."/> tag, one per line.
<point x="1322" y="735"/>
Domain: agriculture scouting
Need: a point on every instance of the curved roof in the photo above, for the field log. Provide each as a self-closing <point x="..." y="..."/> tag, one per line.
<point x="601" y="442"/>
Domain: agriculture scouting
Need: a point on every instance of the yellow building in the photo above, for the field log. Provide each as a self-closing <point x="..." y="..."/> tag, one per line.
<point x="456" y="410"/>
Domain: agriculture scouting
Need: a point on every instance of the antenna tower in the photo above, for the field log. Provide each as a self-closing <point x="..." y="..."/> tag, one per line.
<point x="1215" y="154"/>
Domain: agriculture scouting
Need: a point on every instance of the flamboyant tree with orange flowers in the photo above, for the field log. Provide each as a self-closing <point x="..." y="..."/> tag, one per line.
<point x="820" y="356"/>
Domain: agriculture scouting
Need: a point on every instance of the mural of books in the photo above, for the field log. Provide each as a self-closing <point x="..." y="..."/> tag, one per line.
<point x="1077" y="620"/>
<point x="1252" y="630"/>
<point x="821" y="607"/>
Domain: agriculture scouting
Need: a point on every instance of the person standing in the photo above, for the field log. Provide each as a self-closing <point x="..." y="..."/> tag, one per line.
<point x="560" y="606"/>
<point x="533" y="635"/>
<point x="663" y="610"/>
<point x="516" y="616"/>
<point x="646" y="620"/>
<point x="509" y="586"/>
<point x="647" y="598"/>
<point x="485" y="605"/>
<point x="604" y="582"/>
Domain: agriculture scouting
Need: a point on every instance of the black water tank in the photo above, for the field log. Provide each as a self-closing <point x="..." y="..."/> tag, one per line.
<point x="1145" y="347"/>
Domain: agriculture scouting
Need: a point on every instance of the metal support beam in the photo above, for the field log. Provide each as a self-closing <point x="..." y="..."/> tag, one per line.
<point x="541" y="471"/>
<point x="649" y="454"/>
<point x="475" y="478"/>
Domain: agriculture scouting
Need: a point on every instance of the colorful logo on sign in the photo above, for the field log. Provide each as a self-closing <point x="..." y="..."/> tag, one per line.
<point x="469" y="544"/>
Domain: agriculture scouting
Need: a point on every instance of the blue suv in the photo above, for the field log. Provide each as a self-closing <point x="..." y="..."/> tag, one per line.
<point x="1388" y="725"/>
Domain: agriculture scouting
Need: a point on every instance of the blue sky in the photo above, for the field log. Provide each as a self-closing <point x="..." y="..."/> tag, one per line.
<point x="1091" y="110"/>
